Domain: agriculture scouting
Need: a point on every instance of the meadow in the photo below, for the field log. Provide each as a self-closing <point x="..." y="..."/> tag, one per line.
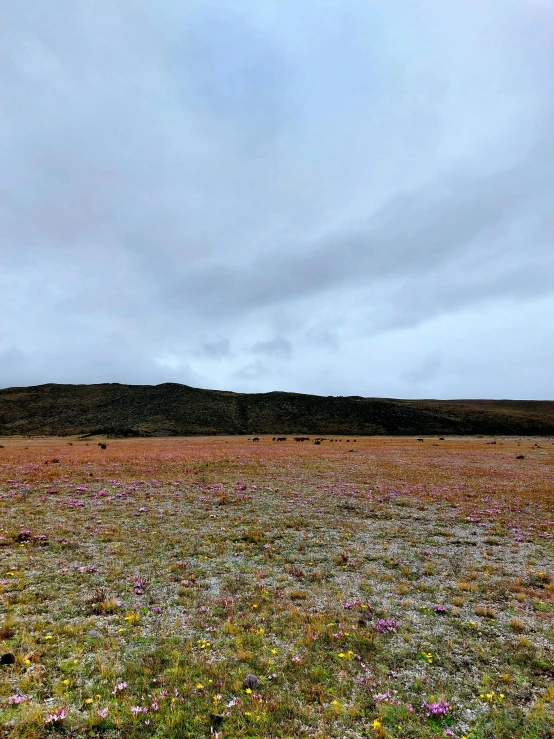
<point x="376" y="587"/>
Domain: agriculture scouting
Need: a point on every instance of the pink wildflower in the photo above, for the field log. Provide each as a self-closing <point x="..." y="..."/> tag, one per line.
<point x="56" y="716"/>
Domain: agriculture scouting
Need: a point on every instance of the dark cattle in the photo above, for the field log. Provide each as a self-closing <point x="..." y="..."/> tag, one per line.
<point x="256" y="438"/>
<point x="441" y="438"/>
<point x="302" y="438"/>
<point x="420" y="439"/>
<point x="102" y="446"/>
<point x="317" y="442"/>
<point x="282" y="438"/>
<point x="520" y="456"/>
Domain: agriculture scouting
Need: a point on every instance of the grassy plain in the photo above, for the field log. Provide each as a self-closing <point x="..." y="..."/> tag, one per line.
<point x="377" y="587"/>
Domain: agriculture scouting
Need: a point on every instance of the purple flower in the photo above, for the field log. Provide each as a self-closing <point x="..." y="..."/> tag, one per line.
<point x="139" y="583"/>
<point x="135" y="710"/>
<point x="389" y="626"/>
<point x="436" y="709"/>
<point x="56" y="716"/>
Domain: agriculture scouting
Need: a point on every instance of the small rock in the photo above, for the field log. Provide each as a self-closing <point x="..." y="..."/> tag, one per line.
<point x="216" y="719"/>
<point x="7" y="659"/>
<point x="252" y="682"/>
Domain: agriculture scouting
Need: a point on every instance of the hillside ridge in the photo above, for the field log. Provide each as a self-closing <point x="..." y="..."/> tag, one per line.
<point x="174" y="409"/>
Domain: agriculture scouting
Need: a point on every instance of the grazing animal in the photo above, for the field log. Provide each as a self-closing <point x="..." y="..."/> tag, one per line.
<point x="102" y="446"/>
<point x="421" y="440"/>
<point x="256" y="438"/>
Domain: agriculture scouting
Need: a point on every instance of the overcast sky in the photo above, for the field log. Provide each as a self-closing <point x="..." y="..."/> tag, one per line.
<point x="348" y="197"/>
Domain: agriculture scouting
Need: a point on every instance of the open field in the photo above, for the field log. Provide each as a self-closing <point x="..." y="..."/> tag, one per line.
<point x="377" y="588"/>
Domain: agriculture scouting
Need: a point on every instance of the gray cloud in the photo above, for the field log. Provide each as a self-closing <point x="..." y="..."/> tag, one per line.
<point x="217" y="349"/>
<point x="344" y="185"/>
<point x="278" y="347"/>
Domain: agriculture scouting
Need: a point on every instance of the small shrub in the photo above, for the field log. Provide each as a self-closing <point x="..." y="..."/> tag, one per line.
<point x="486" y="611"/>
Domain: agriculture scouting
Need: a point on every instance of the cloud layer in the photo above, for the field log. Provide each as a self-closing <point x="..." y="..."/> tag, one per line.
<point x="340" y="198"/>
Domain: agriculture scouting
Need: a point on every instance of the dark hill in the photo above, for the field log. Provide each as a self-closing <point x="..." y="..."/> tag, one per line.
<point x="172" y="409"/>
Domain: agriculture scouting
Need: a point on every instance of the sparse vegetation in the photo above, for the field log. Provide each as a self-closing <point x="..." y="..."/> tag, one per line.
<point x="404" y="591"/>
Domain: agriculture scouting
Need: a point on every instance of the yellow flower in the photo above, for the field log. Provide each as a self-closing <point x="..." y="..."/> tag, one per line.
<point x="273" y="651"/>
<point x="247" y="713"/>
<point x="376" y="724"/>
<point x="199" y="686"/>
<point x="88" y="700"/>
<point x="27" y="661"/>
<point x="12" y="574"/>
<point x="248" y="690"/>
<point x="65" y="682"/>
<point x="48" y="636"/>
<point x="341" y="655"/>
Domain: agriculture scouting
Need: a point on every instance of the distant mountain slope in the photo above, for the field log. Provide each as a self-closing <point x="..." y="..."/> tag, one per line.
<point x="178" y="409"/>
